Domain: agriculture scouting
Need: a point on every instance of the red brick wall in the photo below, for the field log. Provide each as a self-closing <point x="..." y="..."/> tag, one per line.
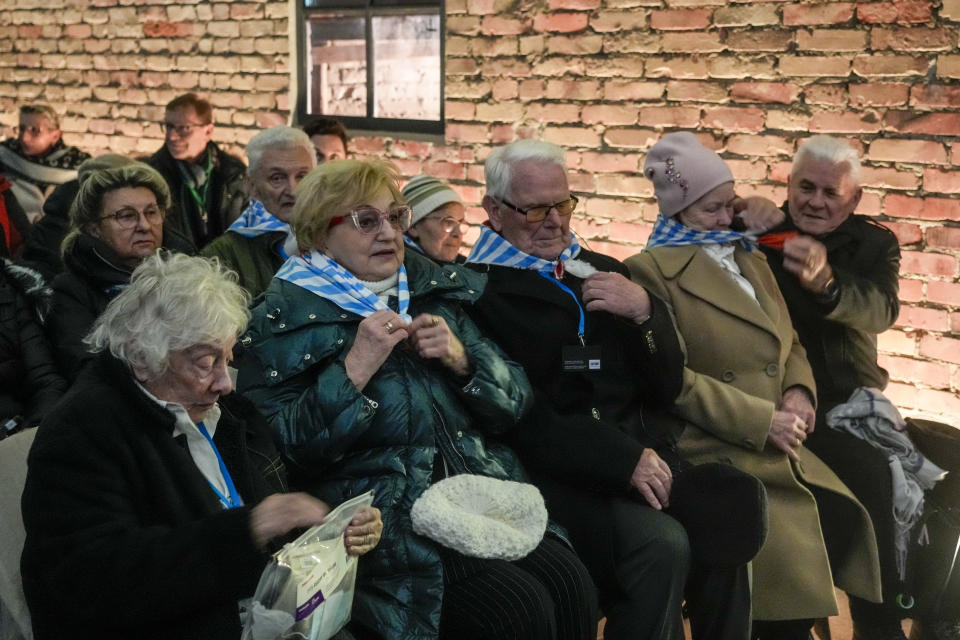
<point x="603" y="78"/>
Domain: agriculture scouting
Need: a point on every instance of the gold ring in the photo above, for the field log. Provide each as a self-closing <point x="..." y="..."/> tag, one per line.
<point x="388" y="326"/>
<point x="810" y="262"/>
<point x="435" y="322"/>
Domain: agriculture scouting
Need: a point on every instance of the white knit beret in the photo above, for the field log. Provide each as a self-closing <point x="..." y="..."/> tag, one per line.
<point x="482" y="517"/>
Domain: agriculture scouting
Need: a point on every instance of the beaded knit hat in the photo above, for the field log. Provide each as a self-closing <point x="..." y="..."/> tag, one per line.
<point x="682" y="171"/>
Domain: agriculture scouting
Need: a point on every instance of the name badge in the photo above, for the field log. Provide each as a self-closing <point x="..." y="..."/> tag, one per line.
<point x="581" y="358"/>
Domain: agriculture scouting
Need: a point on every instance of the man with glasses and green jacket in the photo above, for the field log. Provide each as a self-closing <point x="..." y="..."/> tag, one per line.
<point x="207" y="184"/>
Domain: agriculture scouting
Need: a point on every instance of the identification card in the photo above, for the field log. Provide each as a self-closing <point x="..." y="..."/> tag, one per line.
<point x="580" y="358"/>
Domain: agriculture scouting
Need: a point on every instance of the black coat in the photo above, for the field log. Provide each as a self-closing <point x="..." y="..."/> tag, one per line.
<point x="42" y="247"/>
<point x="29" y="381"/>
<point x="840" y="336"/>
<point x="226" y="199"/>
<point x="589" y="424"/>
<point x="124" y="537"/>
<point x="586" y="432"/>
<point x="92" y="276"/>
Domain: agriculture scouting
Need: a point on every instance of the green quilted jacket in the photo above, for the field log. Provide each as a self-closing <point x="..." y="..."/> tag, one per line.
<point x="412" y="416"/>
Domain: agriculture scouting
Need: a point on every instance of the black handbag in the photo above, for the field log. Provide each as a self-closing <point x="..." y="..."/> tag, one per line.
<point x="933" y="560"/>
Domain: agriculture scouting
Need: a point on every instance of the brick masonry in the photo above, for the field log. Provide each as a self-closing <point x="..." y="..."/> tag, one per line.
<point x="604" y="78"/>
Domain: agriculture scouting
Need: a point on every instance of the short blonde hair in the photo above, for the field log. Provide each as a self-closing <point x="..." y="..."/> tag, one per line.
<point x="336" y="188"/>
<point x="173" y="302"/>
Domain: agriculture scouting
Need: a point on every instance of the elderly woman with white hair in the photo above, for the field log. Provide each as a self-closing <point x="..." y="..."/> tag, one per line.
<point x="151" y="495"/>
<point x="372" y="376"/>
<point x="751" y="407"/>
<point x="261" y="239"/>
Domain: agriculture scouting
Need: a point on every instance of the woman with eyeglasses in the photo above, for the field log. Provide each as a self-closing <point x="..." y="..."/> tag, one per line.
<point x="372" y="377"/>
<point x="437" y="224"/>
<point x="748" y="395"/>
<point x="116" y="221"/>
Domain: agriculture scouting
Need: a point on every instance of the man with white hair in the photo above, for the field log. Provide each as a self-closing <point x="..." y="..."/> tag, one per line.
<point x="258" y="243"/>
<point x="598" y="349"/>
<point x="839" y="273"/>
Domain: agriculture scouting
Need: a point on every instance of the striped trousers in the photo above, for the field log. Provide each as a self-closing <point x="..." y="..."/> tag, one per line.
<point x="547" y="595"/>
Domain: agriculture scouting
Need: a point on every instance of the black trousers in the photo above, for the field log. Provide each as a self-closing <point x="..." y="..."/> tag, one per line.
<point x="547" y="595"/>
<point x="640" y="559"/>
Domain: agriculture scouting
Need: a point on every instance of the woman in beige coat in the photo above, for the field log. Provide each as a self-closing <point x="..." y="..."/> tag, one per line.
<point x="748" y="395"/>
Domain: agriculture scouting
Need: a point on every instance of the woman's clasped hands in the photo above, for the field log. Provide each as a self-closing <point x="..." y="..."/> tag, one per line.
<point x="428" y="335"/>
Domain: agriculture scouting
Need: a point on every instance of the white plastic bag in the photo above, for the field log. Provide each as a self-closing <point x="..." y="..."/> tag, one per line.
<point x="306" y="592"/>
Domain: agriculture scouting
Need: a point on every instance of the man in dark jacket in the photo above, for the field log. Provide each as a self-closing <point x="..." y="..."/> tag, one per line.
<point x="206" y="183"/>
<point x="258" y="242"/>
<point x="840" y="277"/>
<point x="597" y="348"/>
<point x="37" y="160"/>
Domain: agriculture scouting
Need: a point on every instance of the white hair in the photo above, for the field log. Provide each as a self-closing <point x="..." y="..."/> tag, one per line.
<point x="832" y="150"/>
<point x="173" y="302"/>
<point x="499" y="165"/>
<point x="280" y="137"/>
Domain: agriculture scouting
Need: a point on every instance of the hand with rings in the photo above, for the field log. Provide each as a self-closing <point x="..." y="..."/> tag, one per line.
<point x="430" y="337"/>
<point x="377" y="335"/>
<point x="364" y="531"/>
<point x="806" y="258"/>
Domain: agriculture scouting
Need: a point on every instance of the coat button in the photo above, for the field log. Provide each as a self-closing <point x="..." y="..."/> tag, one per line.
<point x="283" y="325"/>
<point x="595" y="413"/>
<point x="306" y="357"/>
<point x="343" y="315"/>
<point x="433" y="282"/>
<point x="469" y="290"/>
<point x="340" y="341"/>
<point x="273" y="374"/>
<point x="459" y="434"/>
<point x="772" y="370"/>
<point x="728" y="375"/>
<point x="247" y="340"/>
<point x="312" y="316"/>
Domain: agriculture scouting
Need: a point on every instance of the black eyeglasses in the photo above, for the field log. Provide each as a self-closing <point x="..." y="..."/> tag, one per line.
<point x="369" y="220"/>
<point x="449" y="224"/>
<point x="541" y="211"/>
<point x="128" y="218"/>
<point x="182" y="130"/>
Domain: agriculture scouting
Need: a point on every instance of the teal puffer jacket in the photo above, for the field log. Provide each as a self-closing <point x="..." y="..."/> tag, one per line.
<point x="342" y="442"/>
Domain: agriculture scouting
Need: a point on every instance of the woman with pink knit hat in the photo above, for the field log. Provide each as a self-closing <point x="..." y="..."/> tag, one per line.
<point x="748" y="396"/>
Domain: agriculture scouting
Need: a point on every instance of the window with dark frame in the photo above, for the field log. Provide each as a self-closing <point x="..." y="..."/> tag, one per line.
<point x="373" y="64"/>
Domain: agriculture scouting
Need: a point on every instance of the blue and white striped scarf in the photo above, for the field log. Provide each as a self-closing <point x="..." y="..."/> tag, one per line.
<point x="492" y="248"/>
<point x="323" y="276"/>
<point x="670" y="233"/>
<point x="256" y="220"/>
<point x="411" y="243"/>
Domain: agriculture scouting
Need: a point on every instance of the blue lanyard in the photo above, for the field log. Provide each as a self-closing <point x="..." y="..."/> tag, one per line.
<point x="575" y="301"/>
<point x="234" y="500"/>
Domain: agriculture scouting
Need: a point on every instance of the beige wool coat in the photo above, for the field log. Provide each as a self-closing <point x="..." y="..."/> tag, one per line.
<point x="741" y="357"/>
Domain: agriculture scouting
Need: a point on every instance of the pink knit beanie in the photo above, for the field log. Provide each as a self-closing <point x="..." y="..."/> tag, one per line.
<point x="682" y="171"/>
